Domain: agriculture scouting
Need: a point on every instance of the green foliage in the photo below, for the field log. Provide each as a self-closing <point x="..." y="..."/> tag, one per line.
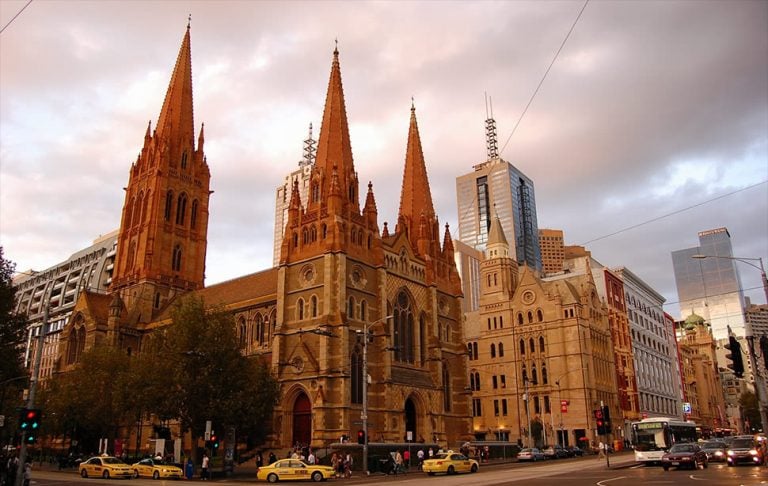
<point x="750" y="409"/>
<point x="204" y="375"/>
<point x="12" y="332"/>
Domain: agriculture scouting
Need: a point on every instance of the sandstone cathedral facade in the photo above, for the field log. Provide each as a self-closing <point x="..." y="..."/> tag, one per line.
<point x="339" y="273"/>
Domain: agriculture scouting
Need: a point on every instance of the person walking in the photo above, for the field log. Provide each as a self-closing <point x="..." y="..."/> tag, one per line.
<point x="420" y="456"/>
<point x="601" y="450"/>
<point x="204" y="469"/>
<point x="27" y="473"/>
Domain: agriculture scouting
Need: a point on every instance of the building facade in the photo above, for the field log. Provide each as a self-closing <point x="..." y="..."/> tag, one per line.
<point x="654" y="352"/>
<point x="540" y="352"/>
<point x="552" y="250"/>
<point x="338" y="274"/>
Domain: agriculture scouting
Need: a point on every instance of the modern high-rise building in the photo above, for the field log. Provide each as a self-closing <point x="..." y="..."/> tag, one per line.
<point x="711" y="287"/>
<point x="283" y="193"/>
<point x="552" y="250"/>
<point x="496" y="187"/>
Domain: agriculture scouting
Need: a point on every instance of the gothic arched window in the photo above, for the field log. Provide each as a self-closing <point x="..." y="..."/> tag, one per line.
<point x="493" y="350"/>
<point x="501" y="350"/>
<point x="403" y="328"/>
<point x="313" y="305"/>
<point x="176" y="263"/>
<point x="300" y="309"/>
<point x="181" y="209"/>
<point x="258" y="335"/>
<point x="541" y="344"/>
<point x="168" y="205"/>
<point x="193" y="216"/>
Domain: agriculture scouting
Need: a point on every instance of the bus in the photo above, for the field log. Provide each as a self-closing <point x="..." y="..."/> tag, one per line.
<point x="652" y="437"/>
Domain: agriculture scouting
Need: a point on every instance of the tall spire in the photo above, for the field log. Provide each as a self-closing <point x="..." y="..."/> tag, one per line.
<point x="176" y="121"/>
<point x="333" y="146"/>
<point x="415" y="197"/>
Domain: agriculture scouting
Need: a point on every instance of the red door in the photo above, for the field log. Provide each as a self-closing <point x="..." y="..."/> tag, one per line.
<point x="302" y="421"/>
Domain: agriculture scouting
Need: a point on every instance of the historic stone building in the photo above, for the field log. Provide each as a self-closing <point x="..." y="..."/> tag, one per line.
<point x="540" y="353"/>
<point x="337" y="274"/>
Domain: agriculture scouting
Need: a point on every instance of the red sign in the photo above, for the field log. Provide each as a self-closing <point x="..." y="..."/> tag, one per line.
<point x="563" y="407"/>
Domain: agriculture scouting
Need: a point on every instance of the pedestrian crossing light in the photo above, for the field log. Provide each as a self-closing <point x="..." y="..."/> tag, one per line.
<point x="361" y="437"/>
<point x="29" y="424"/>
<point x="600" y="420"/>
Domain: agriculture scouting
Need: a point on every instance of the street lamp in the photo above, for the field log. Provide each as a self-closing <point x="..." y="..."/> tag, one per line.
<point x="559" y="399"/>
<point x="364" y="416"/>
<point x="759" y="379"/>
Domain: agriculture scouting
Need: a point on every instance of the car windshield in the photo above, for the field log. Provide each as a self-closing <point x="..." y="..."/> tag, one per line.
<point x="742" y="443"/>
<point x="681" y="448"/>
<point x="111" y="460"/>
<point x="441" y="456"/>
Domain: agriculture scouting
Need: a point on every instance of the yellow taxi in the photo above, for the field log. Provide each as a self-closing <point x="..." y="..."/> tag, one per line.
<point x="449" y="463"/>
<point x="105" y="467"/>
<point x="293" y="469"/>
<point x="156" y="469"/>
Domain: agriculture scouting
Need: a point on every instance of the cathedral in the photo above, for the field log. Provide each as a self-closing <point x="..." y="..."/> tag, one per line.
<point x="339" y="274"/>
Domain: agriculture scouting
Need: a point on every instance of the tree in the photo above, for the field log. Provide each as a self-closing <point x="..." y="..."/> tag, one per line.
<point x="12" y="331"/>
<point x="204" y="375"/>
<point x="750" y="409"/>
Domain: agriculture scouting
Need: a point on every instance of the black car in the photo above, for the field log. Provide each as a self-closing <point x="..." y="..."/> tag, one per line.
<point x="575" y="451"/>
<point x="716" y="450"/>
<point x="745" y="450"/>
<point x="684" y="455"/>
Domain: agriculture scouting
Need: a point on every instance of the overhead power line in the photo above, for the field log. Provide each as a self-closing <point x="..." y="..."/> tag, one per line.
<point x="672" y="213"/>
<point x="14" y="17"/>
<point x="545" y="76"/>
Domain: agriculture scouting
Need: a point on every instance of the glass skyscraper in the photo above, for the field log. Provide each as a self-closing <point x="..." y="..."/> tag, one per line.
<point x="498" y="187"/>
<point x="711" y="287"/>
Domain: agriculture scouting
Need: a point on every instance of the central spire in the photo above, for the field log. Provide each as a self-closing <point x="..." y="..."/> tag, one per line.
<point x="176" y="121"/>
<point x="415" y="198"/>
<point x="333" y="146"/>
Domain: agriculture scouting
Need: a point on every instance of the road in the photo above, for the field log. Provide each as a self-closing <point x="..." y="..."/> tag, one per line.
<point x="578" y="472"/>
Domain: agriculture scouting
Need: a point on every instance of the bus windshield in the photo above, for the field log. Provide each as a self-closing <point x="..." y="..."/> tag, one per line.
<point x="649" y="440"/>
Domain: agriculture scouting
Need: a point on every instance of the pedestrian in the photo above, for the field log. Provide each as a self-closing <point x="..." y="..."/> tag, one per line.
<point x="204" y="468"/>
<point x="311" y="458"/>
<point x="259" y="459"/>
<point x="600" y="450"/>
<point x="348" y="465"/>
<point x="272" y="457"/>
<point x="335" y="465"/>
<point x="399" y="463"/>
<point x="27" y="473"/>
<point x="420" y="456"/>
<point x="407" y="458"/>
<point x="431" y="453"/>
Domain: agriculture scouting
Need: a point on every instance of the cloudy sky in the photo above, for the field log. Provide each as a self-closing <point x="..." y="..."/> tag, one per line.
<point x="651" y="108"/>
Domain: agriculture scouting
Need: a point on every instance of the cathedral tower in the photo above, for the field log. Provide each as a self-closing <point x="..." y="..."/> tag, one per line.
<point x="163" y="231"/>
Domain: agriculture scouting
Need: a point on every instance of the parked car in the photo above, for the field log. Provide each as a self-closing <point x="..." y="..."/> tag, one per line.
<point x="745" y="450"/>
<point x="449" y="463"/>
<point x="575" y="451"/>
<point x="156" y="469"/>
<point x="555" y="452"/>
<point x="530" y="454"/>
<point x="716" y="450"/>
<point x="293" y="469"/>
<point x="687" y="455"/>
<point x="105" y="467"/>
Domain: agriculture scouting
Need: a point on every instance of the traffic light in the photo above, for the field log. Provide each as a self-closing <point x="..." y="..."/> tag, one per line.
<point x="214" y="444"/>
<point x="600" y="421"/>
<point x="737" y="362"/>
<point x="607" y="419"/>
<point x="29" y="423"/>
<point x="361" y="437"/>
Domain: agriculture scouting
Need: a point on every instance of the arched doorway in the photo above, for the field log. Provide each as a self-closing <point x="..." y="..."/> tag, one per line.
<point x="410" y="420"/>
<point x="302" y="420"/>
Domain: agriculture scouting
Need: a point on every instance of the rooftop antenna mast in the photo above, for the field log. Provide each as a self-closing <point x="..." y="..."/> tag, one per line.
<point x="491" y="141"/>
<point x="310" y="150"/>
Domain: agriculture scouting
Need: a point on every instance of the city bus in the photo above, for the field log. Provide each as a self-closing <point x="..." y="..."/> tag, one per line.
<point x="652" y="437"/>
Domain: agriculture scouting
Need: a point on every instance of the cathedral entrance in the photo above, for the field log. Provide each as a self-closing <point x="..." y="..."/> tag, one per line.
<point x="410" y="421"/>
<point x="302" y="421"/>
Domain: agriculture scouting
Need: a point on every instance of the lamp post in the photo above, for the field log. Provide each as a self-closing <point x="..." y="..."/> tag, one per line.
<point x="364" y="416"/>
<point x="758" y="376"/>
<point x="559" y="399"/>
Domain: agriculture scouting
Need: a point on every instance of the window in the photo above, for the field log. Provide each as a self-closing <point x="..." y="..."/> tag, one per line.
<point x="474" y="349"/>
<point x="168" y="205"/>
<point x="295" y="240"/>
<point x="477" y="380"/>
<point x="544" y="378"/>
<point x="520" y="318"/>
<point x="356" y="366"/>
<point x="351" y="308"/>
<point x="532" y="345"/>
<point x="501" y="350"/>
<point x="477" y="410"/>
<point x="534" y="375"/>
<point x="258" y="335"/>
<point x="496" y="408"/>
<point x="423" y="341"/>
<point x="184" y="160"/>
<point x="495" y="382"/>
<point x="300" y="309"/>
<point x="193" y="216"/>
<point x="316" y="194"/>
<point x="504" y="406"/>
<point x="530" y="317"/>
<point x="363" y="309"/>
<point x="522" y="347"/>
<point x="493" y="350"/>
<point x="403" y="328"/>
<point x="313" y="305"/>
<point x="547" y="408"/>
<point x="541" y="344"/>
<point x="241" y="333"/>
<point x="181" y="209"/>
<point x="469" y="351"/>
<point x="157" y="300"/>
<point x="176" y="263"/>
<point x="540" y="315"/>
<point x="536" y="405"/>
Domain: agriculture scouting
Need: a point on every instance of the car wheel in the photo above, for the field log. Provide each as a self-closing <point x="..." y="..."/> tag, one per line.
<point x="155" y="475"/>
<point x="666" y="468"/>
<point x="83" y="473"/>
<point x="451" y="470"/>
<point x="105" y="474"/>
<point x="272" y="478"/>
<point x="317" y="476"/>
<point x="474" y="468"/>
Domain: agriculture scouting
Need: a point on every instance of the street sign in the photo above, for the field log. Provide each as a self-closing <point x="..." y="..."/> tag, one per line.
<point x="686" y="407"/>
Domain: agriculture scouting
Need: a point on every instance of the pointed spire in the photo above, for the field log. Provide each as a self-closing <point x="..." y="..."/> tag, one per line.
<point x="385" y="232"/>
<point x="333" y="145"/>
<point x="448" y="242"/>
<point x="497" y="245"/>
<point x="176" y="122"/>
<point x="201" y="138"/>
<point x="415" y="198"/>
<point x="370" y="205"/>
<point x="148" y="135"/>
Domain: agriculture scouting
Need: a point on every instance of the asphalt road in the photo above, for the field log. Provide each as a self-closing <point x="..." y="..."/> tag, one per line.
<point x="578" y="472"/>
